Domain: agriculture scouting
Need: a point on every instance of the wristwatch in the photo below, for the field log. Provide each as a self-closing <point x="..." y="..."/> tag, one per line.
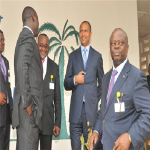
<point x="130" y="138"/>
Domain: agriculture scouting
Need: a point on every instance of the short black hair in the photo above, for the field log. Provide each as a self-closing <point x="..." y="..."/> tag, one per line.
<point x="88" y="24"/>
<point x="1" y="31"/>
<point x="43" y="34"/>
<point x="119" y="29"/>
<point x="27" y="13"/>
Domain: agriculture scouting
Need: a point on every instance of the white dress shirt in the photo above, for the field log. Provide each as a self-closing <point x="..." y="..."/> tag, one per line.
<point x="44" y="67"/>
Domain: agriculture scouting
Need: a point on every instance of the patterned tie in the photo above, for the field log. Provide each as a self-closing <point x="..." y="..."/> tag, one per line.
<point x="84" y="57"/>
<point x="2" y="67"/>
<point x="111" y="85"/>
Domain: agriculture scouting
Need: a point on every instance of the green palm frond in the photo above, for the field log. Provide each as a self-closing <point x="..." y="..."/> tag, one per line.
<point x="67" y="51"/>
<point x="71" y="33"/>
<point x="64" y="29"/>
<point x="52" y="46"/>
<point x="69" y="28"/>
<point x="49" y="27"/>
<point x="72" y="48"/>
<point x="56" y="52"/>
<point x="53" y="39"/>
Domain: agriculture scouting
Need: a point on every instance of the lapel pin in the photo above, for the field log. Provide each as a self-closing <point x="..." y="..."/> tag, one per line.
<point x="123" y="76"/>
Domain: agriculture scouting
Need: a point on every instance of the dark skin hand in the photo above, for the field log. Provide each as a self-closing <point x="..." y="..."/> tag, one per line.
<point x="123" y="142"/>
<point x="56" y="131"/>
<point x="80" y="78"/>
<point x="2" y="98"/>
<point x="93" y="139"/>
<point x="29" y="110"/>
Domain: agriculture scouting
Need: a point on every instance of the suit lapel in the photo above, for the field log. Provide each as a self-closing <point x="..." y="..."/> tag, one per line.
<point x="49" y="71"/>
<point x="90" y="57"/>
<point x="118" y="84"/>
<point x="79" y="56"/>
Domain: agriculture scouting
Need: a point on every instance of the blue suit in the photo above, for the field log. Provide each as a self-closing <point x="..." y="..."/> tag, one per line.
<point x="135" y="119"/>
<point x="92" y="91"/>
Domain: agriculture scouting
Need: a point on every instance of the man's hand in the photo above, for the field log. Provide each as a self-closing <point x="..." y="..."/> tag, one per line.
<point x="29" y="110"/>
<point x="80" y="78"/>
<point x="2" y="98"/>
<point x="93" y="139"/>
<point x="123" y="142"/>
<point x="56" y="131"/>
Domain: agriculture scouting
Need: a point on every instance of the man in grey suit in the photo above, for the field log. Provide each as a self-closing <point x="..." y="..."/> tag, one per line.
<point x="28" y="102"/>
<point x="51" y="96"/>
<point x="85" y="68"/>
<point x="6" y="103"/>
<point x="124" y="118"/>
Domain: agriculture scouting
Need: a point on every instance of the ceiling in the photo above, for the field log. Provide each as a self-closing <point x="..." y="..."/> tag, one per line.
<point x="143" y="10"/>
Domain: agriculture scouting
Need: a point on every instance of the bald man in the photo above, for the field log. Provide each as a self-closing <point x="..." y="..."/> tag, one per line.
<point x="28" y="102"/>
<point x="124" y="117"/>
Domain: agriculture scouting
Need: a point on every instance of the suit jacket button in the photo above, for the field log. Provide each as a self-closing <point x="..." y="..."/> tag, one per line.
<point x="103" y="121"/>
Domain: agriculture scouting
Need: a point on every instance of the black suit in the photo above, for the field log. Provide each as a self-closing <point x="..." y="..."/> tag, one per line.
<point x="28" y="91"/>
<point x="6" y="109"/>
<point x="148" y="82"/>
<point x="52" y="104"/>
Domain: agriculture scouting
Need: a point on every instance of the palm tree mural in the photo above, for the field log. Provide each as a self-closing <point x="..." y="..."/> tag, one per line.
<point x="57" y="44"/>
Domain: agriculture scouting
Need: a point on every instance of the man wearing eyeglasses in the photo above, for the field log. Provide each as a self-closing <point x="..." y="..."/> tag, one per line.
<point x="51" y="96"/>
<point x="123" y="122"/>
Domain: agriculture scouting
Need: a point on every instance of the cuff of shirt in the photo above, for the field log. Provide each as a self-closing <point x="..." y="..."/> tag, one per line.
<point x="74" y="81"/>
<point x="96" y="131"/>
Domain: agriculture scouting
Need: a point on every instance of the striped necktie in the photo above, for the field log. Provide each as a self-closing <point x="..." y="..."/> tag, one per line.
<point x="2" y="67"/>
<point x="84" y="57"/>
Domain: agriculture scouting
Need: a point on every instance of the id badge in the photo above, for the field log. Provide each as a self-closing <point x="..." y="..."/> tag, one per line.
<point x="119" y="107"/>
<point x="51" y="86"/>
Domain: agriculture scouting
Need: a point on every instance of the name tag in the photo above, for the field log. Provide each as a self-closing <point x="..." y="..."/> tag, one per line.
<point x="51" y="86"/>
<point x="119" y="107"/>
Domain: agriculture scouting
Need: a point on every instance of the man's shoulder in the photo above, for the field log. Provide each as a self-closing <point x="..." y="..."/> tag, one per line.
<point x="52" y="62"/>
<point x="95" y="51"/>
<point x="26" y="37"/>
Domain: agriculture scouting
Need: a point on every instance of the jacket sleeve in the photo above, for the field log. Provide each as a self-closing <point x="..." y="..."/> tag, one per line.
<point x="100" y="73"/>
<point x="69" y="78"/>
<point x="25" y="56"/>
<point x="140" y="129"/>
<point x="57" y="100"/>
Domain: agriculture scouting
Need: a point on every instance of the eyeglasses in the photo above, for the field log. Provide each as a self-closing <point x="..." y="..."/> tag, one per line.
<point x="120" y="43"/>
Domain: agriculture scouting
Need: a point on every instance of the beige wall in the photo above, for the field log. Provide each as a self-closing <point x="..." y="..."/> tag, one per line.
<point x="104" y="17"/>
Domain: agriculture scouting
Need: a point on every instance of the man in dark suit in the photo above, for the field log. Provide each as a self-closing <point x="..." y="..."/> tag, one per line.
<point x="85" y="68"/>
<point x="124" y="117"/>
<point x="28" y="101"/>
<point x="6" y="103"/>
<point x="148" y="77"/>
<point x="51" y="96"/>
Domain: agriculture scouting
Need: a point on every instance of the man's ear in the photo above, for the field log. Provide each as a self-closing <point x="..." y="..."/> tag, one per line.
<point x="33" y="17"/>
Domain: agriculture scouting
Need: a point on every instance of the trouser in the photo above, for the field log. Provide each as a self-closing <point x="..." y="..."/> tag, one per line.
<point x="27" y="131"/>
<point x="5" y="132"/>
<point x="45" y="142"/>
<point x="76" y="130"/>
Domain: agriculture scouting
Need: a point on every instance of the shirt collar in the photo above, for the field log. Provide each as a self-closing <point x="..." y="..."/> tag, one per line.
<point x="120" y="67"/>
<point x="88" y="48"/>
<point x="29" y="29"/>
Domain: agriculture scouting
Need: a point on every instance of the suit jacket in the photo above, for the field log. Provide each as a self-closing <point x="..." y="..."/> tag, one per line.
<point x="28" y="76"/>
<point x="148" y="81"/>
<point x="135" y="119"/>
<point x="5" y="88"/>
<point x="92" y="91"/>
<point x="52" y="99"/>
